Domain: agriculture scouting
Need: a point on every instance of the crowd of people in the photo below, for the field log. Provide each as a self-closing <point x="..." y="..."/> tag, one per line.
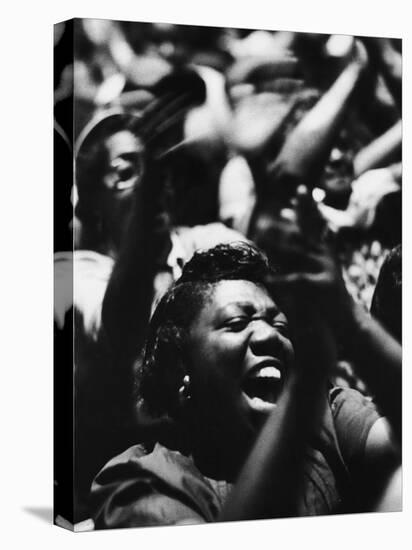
<point x="231" y="263"/>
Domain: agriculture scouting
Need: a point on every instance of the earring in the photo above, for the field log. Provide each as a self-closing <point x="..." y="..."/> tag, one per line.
<point x="184" y="390"/>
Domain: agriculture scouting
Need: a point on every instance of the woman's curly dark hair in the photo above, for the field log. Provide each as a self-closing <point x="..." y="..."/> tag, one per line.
<point x="165" y="358"/>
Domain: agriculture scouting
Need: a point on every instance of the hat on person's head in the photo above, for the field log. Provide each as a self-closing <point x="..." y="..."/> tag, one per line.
<point x="102" y="125"/>
<point x="150" y="113"/>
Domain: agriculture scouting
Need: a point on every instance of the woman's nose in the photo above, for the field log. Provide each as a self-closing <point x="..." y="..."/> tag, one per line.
<point x="265" y="338"/>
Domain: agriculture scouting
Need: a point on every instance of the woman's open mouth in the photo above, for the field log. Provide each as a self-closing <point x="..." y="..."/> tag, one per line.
<point x="262" y="386"/>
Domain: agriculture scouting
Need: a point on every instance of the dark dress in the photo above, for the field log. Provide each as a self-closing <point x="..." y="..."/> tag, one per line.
<point x="158" y="486"/>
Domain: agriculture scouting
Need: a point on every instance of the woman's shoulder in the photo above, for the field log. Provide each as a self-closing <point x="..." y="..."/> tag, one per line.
<point x="146" y="474"/>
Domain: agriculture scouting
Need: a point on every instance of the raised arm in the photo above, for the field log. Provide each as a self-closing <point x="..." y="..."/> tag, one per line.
<point x="376" y="354"/>
<point x="128" y="299"/>
<point x="271" y="480"/>
<point x="129" y="295"/>
<point x="308" y="146"/>
<point x="378" y="360"/>
<point x="389" y="62"/>
<point x="379" y="152"/>
<point x="274" y="466"/>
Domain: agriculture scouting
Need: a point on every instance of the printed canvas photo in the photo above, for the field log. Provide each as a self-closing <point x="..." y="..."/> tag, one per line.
<point x="228" y="274"/>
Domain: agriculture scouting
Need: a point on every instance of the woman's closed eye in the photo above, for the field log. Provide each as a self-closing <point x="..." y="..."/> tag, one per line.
<point x="281" y="326"/>
<point x="236" y="324"/>
<point x="240" y="322"/>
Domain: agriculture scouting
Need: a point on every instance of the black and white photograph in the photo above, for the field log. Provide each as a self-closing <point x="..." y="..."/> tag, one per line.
<point x="228" y="274"/>
<point x="205" y="328"/>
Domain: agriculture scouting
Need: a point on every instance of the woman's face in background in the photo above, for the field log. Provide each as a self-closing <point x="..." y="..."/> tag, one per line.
<point x="123" y="172"/>
<point x="107" y="191"/>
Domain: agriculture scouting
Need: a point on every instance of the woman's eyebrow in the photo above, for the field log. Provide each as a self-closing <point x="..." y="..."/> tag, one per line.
<point x="249" y="308"/>
<point x="246" y="307"/>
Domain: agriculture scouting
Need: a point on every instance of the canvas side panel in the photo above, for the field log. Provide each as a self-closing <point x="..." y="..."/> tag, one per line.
<point x="63" y="284"/>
